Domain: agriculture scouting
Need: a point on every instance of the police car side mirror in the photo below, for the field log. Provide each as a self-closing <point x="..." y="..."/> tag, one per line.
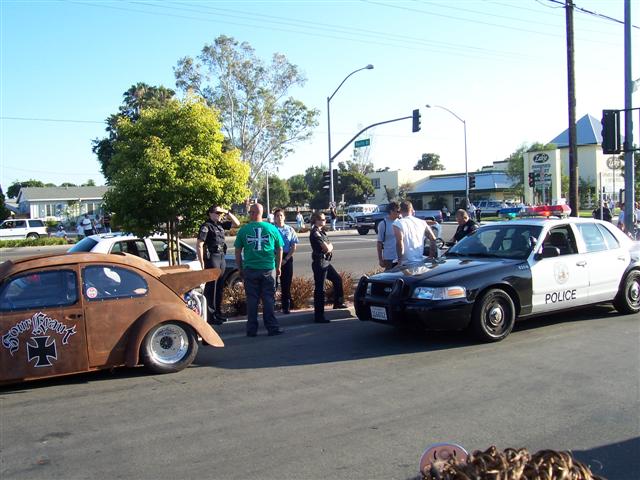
<point x="548" y="252"/>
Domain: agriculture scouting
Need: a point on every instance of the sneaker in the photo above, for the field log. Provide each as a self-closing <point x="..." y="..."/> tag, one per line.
<point x="276" y="331"/>
<point x="338" y="306"/>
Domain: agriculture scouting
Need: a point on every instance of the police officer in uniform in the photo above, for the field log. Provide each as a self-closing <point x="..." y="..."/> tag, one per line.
<point x="211" y="235"/>
<point x="321" y="253"/>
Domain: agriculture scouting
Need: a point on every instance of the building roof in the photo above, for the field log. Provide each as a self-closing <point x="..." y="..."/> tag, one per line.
<point x="588" y="132"/>
<point x="451" y="183"/>
<point x="32" y="194"/>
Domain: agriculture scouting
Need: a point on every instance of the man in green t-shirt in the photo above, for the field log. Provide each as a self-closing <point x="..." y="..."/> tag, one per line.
<point x="262" y="247"/>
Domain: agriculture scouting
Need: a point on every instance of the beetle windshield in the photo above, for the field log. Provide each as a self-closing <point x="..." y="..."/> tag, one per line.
<point x="501" y="240"/>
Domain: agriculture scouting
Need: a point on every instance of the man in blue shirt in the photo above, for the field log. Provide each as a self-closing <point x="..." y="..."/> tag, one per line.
<point x="289" y="241"/>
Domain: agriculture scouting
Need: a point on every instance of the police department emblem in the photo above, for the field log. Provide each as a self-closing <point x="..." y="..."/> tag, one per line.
<point x="561" y="273"/>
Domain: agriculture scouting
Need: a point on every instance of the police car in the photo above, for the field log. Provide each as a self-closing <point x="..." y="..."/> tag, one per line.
<point x="507" y="271"/>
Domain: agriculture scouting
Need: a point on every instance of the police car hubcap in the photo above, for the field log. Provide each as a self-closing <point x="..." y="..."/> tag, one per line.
<point x="495" y="316"/>
<point x="634" y="292"/>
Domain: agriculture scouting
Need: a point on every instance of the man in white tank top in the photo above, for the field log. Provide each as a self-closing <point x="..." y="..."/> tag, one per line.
<point x="410" y="233"/>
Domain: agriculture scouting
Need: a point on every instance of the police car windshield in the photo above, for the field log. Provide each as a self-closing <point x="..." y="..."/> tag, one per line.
<point x="502" y="241"/>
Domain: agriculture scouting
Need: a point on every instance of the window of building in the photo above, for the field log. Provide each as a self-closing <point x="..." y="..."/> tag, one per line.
<point x="376" y="183"/>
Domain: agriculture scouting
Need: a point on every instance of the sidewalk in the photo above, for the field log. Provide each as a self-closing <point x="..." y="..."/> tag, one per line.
<point x="237" y="326"/>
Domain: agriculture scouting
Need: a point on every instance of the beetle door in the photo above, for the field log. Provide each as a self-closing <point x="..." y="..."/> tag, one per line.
<point x="41" y="325"/>
<point x="114" y="297"/>
<point x="563" y="281"/>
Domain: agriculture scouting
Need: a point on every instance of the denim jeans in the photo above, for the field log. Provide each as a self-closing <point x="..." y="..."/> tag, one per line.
<point x="260" y="284"/>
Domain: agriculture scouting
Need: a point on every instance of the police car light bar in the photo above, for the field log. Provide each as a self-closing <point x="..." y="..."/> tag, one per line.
<point x="548" y="211"/>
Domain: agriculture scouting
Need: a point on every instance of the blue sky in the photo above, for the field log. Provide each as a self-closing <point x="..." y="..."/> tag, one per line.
<point x="500" y="65"/>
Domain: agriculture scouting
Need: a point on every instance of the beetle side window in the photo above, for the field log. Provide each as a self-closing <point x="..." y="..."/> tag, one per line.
<point x="101" y="282"/>
<point x="592" y="236"/>
<point x="51" y="288"/>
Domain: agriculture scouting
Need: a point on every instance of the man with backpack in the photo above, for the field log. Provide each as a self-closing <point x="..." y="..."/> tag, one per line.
<point x="386" y="244"/>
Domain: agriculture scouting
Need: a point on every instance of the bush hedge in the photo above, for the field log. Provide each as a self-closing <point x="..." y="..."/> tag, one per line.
<point x="36" y="242"/>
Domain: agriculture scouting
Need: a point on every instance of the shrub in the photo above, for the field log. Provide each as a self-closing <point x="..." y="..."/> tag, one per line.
<point x="301" y="292"/>
<point x="37" y="242"/>
<point x="347" y="287"/>
<point x="234" y="300"/>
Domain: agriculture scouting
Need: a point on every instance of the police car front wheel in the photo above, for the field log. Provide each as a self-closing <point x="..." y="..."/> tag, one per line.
<point x="493" y="316"/>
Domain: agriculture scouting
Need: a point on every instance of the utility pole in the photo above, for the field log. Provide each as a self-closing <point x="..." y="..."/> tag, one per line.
<point x="629" y="164"/>
<point x="574" y="202"/>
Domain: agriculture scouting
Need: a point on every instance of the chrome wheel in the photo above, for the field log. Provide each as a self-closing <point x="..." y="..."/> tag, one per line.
<point x="169" y="347"/>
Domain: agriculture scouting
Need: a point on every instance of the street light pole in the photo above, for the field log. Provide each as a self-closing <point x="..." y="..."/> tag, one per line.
<point x="331" y="192"/>
<point x="466" y="165"/>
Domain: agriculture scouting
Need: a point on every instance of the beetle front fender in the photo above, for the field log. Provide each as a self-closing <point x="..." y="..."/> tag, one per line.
<point x="165" y="313"/>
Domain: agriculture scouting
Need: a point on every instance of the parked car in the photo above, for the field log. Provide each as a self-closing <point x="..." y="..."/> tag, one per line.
<point x="22" y="228"/>
<point x="507" y="271"/>
<point x="352" y="212"/>
<point x="155" y="249"/>
<point x="490" y="207"/>
<point x="370" y="221"/>
<point x="79" y="312"/>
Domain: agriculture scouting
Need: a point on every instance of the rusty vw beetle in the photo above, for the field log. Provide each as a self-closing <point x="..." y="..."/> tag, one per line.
<point x="74" y="313"/>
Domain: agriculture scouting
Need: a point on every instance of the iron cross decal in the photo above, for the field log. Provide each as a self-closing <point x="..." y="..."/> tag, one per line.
<point x="258" y="239"/>
<point x="43" y="351"/>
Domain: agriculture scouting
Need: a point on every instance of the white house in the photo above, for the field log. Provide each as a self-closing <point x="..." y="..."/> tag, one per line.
<point x="60" y="203"/>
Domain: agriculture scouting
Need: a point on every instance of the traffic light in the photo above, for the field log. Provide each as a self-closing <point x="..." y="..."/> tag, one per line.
<point x="611" y="131"/>
<point x="416" y="120"/>
<point x="532" y="179"/>
<point x="336" y="177"/>
<point x="326" y="180"/>
<point x="472" y="181"/>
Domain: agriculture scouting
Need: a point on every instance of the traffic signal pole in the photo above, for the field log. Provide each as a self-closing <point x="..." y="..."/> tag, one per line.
<point x="331" y="159"/>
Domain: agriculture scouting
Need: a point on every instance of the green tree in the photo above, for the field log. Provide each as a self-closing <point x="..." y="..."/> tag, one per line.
<point x="68" y="184"/>
<point x="355" y="187"/>
<point x="168" y="165"/>
<point x="278" y="192"/>
<point x="258" y="117"/>
<point x="136" y="99"/>
<point x="14" y="188"/>
<point x="89" y="183"/>
<point x="299" y="193"/>
<point x="4" y="211"/>
<point x="429" y="161"/>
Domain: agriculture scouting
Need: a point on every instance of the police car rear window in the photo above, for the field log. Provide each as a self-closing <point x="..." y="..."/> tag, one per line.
<point x="84" y="245"/>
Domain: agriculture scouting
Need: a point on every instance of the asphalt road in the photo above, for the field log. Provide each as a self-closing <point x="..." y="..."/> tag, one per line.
<point x="346" y="400"/>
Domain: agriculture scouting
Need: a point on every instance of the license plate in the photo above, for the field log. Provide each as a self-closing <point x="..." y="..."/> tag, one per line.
<point x="379" y="313"/>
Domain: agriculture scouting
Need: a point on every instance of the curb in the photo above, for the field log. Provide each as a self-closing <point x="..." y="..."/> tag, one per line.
<point x="238" y="325"/>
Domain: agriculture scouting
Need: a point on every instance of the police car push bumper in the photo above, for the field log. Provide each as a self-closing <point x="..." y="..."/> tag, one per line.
<point x="441" y="308"/>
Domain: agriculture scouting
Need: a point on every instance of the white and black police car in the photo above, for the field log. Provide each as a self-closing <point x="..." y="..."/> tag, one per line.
<point x="506" y="271"/>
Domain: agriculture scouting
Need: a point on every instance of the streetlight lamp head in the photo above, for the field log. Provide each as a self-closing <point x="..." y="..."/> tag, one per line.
<point x="428" y="106"/>
<point x="369" y="67"/>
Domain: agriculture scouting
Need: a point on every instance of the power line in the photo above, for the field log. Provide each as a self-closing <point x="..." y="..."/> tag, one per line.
<point x="60" y="120"/>
<point x="592" y="13"/>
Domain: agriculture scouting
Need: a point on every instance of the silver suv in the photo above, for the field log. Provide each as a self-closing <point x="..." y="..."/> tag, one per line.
<point x="23" y="228"/>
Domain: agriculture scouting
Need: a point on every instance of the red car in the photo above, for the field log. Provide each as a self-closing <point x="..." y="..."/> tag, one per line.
<point x="73" y="313"/>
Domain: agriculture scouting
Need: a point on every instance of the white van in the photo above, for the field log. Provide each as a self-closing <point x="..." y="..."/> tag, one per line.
<point x="354" y="211"/>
